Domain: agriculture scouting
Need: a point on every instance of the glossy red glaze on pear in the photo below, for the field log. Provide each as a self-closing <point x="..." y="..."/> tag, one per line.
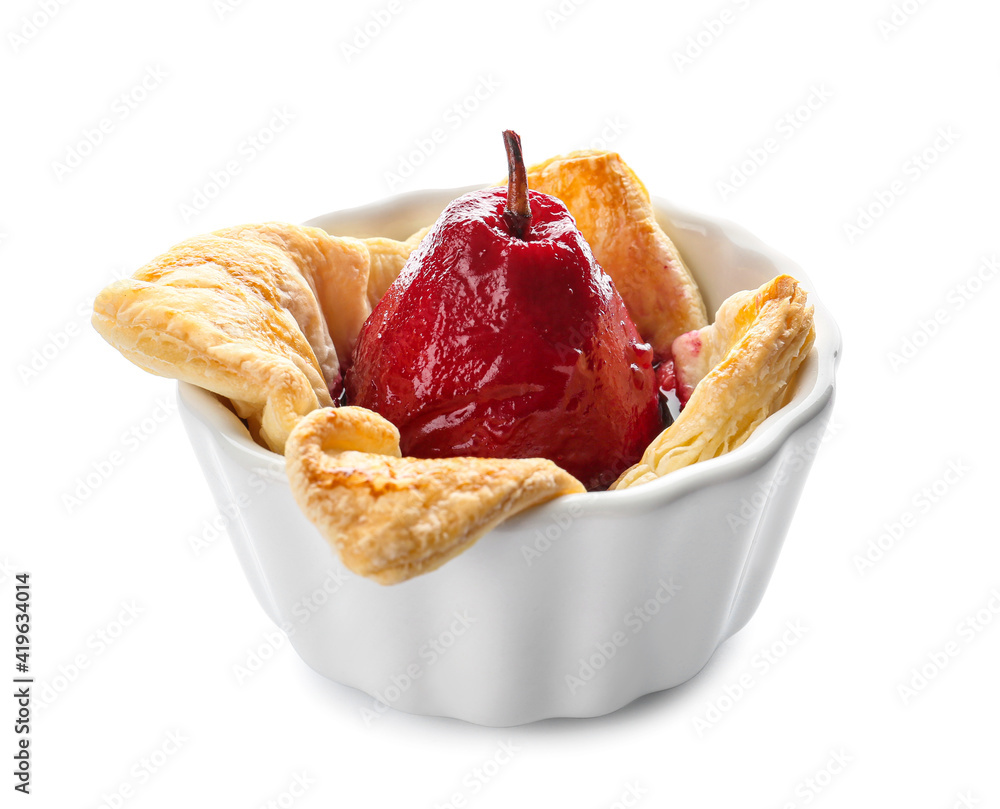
<point x="489" y="345"/>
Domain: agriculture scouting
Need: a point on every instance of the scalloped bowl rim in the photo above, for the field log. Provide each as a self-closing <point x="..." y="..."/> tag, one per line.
<point x="760" y="447"/>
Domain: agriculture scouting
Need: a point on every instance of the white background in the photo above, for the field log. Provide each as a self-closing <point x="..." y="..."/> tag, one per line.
<point x="565" y="77"/>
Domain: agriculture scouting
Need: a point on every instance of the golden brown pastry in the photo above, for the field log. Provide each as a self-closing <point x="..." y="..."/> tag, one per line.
<point x="613" y="211"/>
<point x="747" y="360"/>
<point x="261" y="314"/>
<point x="387" y="258"/>
<point x="391" y="518"/>
<point x="266" y="315"/>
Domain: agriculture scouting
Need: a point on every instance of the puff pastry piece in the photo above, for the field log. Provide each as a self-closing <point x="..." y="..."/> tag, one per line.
<point x="391" y="518"/>
<point x="746" y="362"/>
<point x="244" y="312"/>
<point x="386" y="260"/>
<point x="613" y="211"/>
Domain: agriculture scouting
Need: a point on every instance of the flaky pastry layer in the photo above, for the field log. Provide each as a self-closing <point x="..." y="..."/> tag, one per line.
<point x="261" y="314"/>
<point x="266" y="315"/>
<point x="391" y="518"/>
<point x="613" y="211"/>
<point x="751" y="355"/>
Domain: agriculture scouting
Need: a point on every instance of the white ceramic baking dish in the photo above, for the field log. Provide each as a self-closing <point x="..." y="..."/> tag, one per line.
<point x="574" y="608"/>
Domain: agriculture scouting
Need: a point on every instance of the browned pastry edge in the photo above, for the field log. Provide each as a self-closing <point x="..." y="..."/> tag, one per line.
<point x="613" y="210"/>
<point x="307" y="293"/>
<point x="264" y="315"/>
<point x="769" y="334"/>
<point x="391" y="518"/>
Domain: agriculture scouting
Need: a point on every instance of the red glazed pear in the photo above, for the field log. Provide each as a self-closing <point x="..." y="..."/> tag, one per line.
<point x="502" y="337"/>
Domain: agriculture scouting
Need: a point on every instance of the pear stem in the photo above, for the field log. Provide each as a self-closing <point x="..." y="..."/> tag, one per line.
<point x="517" y="214"/>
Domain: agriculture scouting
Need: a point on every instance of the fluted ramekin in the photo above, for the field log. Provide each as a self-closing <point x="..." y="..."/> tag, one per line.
<point x="574" y="608"/>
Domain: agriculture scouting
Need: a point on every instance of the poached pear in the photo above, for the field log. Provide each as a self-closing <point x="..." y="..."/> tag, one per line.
<point x="503" y="337"/>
